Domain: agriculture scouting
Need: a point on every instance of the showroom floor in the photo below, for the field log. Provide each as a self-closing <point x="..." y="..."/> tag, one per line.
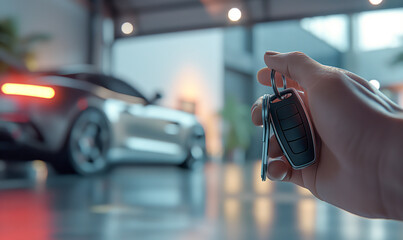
<point x="164" y="202"/>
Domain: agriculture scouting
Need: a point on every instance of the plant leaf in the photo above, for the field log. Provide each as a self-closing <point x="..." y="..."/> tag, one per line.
<point x="236" y="117"/>
<point x="26" y="43"/>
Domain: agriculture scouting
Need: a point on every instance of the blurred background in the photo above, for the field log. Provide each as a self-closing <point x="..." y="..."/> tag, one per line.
<point x="130" y="119"/>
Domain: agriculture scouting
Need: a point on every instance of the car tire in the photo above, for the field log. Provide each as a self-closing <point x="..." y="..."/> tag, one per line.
<point x="196" y="152"/>
<point x="85" y="151"/>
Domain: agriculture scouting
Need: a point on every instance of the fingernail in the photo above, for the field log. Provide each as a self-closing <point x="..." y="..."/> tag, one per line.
<point x="271" y="53"/>
<point x="253" y="107"/>
<point x="255" y="104"/>
<point x="277" y="170"/>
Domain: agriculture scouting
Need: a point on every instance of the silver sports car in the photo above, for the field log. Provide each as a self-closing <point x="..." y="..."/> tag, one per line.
<point x="83" y="122"/>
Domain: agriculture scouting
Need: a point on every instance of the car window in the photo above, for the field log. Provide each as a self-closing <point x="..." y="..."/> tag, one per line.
<point x="108" y="82"/>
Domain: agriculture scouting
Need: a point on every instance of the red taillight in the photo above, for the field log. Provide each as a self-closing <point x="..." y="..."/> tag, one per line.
<point x="14" y="117"/>
<point x="28" y="90"/>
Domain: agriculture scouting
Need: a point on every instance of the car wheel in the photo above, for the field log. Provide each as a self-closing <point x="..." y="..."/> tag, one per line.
<point x="87" y="145"/>
<point x="196" y="152"/>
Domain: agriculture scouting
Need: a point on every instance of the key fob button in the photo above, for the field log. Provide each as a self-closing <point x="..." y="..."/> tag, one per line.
<point x="299" y="146"/>
<point x="287" y="111"/>
<point x="291" y="122"/>
<point x="295" y="133"/>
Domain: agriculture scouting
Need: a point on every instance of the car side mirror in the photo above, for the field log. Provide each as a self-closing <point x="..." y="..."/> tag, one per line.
<point x="156" y="97"/>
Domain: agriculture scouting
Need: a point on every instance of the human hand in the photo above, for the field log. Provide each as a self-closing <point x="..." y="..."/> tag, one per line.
<point x="358" y="165"/>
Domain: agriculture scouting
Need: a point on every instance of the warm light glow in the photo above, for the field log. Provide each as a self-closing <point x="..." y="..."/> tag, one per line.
<point x="233" y="179"/>
<point x="127" y="28"/>
<point x="375" y="83"/>
<point x="28" y="90"/>
<point x="375" y="2"/>
<point x="233" y="216"/>
<point x="232" y="209"/>
<point x="263" y="215"/>
<point x="234" y="14"/>
<point x="306" y="217"/>
<point x="191" y="86"/>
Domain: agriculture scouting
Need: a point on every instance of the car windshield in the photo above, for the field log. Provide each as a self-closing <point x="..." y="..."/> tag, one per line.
<point x="108" y="82"/>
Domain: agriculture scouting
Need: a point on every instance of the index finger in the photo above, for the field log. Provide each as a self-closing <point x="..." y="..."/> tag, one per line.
<point x="295" y="65"/>
<point x="263" y="76"/>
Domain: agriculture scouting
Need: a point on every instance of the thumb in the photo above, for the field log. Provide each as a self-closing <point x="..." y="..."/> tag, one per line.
<point x="279" y="169"/>
<point x="295" y="65"/>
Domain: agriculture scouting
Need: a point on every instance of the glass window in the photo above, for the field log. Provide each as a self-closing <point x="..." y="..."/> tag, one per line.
<point x="380" y="29"/>
<point x="331" y="29"/>
<point x="108" y="82"/>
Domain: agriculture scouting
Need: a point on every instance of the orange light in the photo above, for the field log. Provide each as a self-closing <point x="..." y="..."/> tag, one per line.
<point x="28" y="90"/>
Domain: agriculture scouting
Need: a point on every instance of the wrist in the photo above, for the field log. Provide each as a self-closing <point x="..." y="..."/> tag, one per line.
<point x="391" y="169"/>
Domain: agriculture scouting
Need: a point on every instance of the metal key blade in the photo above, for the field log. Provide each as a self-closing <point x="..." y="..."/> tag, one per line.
<point x="268" y="130"/>
<point x="264" y="113"/>
<point x="266" y="134"/>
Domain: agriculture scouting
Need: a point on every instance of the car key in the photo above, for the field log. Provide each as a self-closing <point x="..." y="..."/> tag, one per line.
<point x="265" y="135"/>
<point x="292" y="127"/>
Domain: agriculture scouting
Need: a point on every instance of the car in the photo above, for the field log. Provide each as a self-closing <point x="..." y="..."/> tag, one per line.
<point x="82" y="122"/>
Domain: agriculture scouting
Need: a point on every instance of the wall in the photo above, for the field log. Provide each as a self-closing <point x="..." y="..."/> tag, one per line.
<point x="182" y="66"/>
<point x="378" y="65"/>
<point x="64" y="20"/>
<point x="288" y="36"/>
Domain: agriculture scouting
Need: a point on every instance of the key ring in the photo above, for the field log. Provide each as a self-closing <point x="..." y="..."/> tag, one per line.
<point x="273" y="83"/>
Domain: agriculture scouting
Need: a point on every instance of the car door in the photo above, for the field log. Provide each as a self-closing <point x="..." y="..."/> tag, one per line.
<point x="153" y="133"/>
<point x="147" y="132"/>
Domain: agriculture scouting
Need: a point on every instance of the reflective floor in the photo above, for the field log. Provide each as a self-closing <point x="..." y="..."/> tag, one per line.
<point x="163" y="202"/>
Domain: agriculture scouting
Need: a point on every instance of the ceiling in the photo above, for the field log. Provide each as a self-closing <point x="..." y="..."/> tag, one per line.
<point x="161" y="16"/>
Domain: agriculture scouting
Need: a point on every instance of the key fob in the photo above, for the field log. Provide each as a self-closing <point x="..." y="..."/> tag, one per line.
<point x="292" y="128"/>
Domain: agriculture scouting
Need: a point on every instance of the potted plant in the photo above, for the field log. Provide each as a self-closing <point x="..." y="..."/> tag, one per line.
<point x="16" y="52"/>
<point x="238" y="129"/>
<point x="398" y="59"/>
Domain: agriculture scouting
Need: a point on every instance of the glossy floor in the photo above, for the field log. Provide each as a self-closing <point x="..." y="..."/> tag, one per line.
<point x="163" y="202"/>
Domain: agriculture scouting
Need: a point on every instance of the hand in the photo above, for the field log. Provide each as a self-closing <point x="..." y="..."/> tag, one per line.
<point x="358" y="133"/>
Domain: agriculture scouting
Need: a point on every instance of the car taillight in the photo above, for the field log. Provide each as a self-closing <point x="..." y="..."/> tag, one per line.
<point x="28" y="90"/>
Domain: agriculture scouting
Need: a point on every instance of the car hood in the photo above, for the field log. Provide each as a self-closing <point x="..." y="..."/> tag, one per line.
<point x="172" y="115"/>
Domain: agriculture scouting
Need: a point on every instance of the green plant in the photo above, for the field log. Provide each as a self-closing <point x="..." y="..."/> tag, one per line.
<point x="238" y="126"/>
<point x="398" y="59"/>
<point x="14" y="49"/>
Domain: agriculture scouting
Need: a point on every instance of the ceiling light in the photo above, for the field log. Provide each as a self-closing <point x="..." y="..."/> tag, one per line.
<point x="375" y="2"/>
<point x="127" y="28"/>
<point x="375" y="83"/>
<point x="234" y="14"/>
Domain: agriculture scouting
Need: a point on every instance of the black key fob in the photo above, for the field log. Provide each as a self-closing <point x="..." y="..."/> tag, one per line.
<point x="292" y="128"/>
